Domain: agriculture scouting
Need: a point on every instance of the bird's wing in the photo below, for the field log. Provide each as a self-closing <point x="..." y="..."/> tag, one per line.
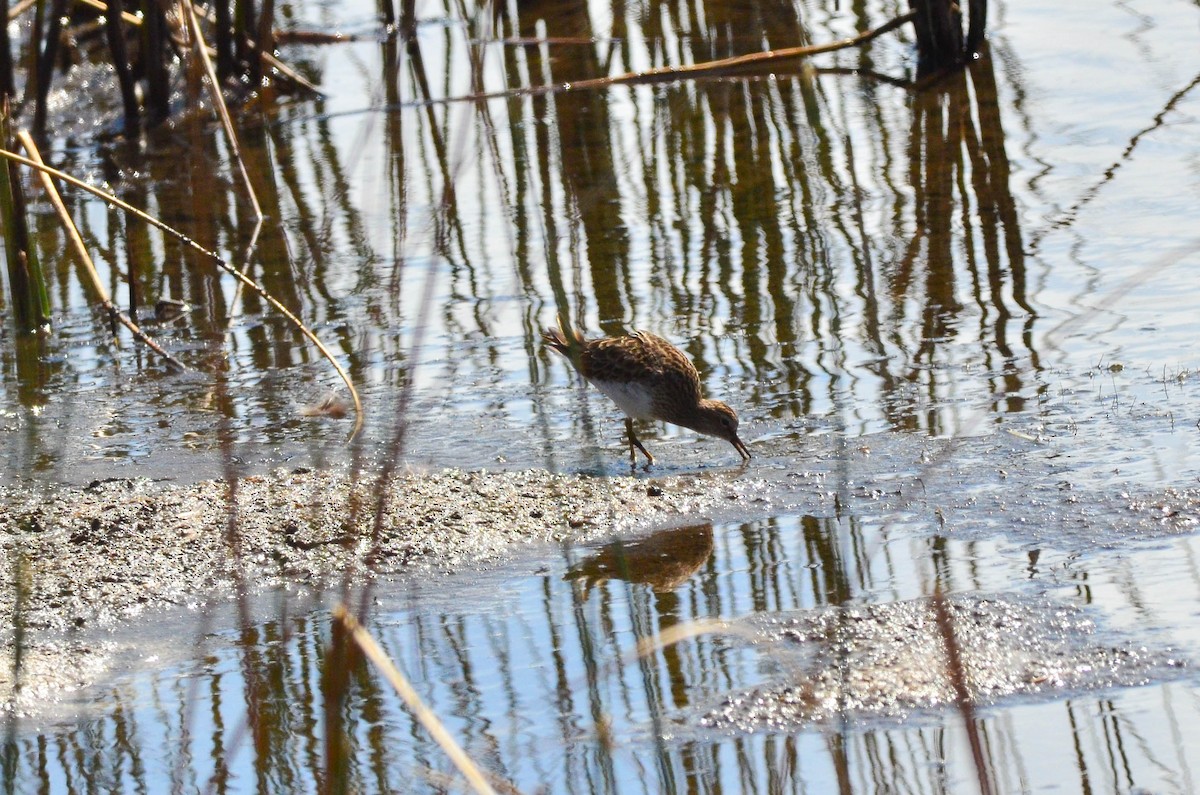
<point x="641" y="356"/>
<point x="616" y="359"/>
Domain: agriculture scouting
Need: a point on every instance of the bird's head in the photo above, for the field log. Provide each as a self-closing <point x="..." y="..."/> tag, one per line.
<point x="717" y="419"/>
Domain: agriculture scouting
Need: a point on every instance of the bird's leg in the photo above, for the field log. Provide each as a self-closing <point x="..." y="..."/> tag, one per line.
<point x="633" y="442"/>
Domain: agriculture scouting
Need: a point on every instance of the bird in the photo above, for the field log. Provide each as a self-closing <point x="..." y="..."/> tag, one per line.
<point x="664" y="560"/>
<point x="649" y="379"/>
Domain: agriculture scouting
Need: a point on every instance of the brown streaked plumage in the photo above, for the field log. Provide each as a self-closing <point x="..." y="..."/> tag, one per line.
<point x="649" y="379"/>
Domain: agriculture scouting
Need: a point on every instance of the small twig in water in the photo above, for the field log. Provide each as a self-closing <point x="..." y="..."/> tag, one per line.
<point x="705" y="69"/>
<point x="743" y="61"/>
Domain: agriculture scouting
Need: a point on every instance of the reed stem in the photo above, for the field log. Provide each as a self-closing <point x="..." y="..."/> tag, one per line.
<point x="26" y="282"/>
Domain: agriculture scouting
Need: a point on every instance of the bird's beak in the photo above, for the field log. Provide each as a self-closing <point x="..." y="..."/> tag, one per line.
<point x="741" y="448"/>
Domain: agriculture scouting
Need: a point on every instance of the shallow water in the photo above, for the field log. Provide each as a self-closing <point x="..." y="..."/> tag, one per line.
<point x="868" y="273"/>
<point x="838" y="254"/>
<point x="540" y="678"/>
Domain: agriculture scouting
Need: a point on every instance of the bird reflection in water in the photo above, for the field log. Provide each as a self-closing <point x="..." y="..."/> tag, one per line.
<point x="663" y="560"/>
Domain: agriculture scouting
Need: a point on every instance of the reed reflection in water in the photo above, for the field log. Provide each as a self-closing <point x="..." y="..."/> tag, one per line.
<point x="842" y="251"/>
<point x="543" y="685"/>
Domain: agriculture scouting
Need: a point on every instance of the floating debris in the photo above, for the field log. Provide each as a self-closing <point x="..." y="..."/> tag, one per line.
<point x="168" y="309"/>
<point x="333" y="406"/>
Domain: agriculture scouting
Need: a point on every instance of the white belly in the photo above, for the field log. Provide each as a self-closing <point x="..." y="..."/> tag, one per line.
<point x="632" y="398"/>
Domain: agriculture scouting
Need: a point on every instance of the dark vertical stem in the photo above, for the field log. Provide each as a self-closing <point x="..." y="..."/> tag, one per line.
<point x="962" y="692"/>
<point x="264" y="41"/>
<point x="244" y="24"/>
<point x="45" y="63"/>
<point x="20" y="585"/>
<point x="6" y="71"/>
<point x="157" y="51"/>
<point x="113" y="27"/>
<point x="976" y="25"/>
<point x="31" y="303"/>
<point x="224" y="36"/>
<point x="408" y="18"/>
<point x="947" y="19"/>
<point x="387" y="13"/>
<point x="998" y="170"/>
<point x="138" y="248"/>
<point x="335" y="685"/>
<point x="35" y="37"/>
<point x="131" y="273"/>
<point x="939" y="35"/>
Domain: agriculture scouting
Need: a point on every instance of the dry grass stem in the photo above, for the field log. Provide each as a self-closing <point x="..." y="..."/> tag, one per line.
<point x="690" y="629"/>
<point x="218" y="100"/>
<point x="427" y="718"/>
<point x="261" y="291"/>
<point x="20" y="8"/>
<point x="126" y="17"/>
<point x="757" y="59"/>
<point x="85" y="259"/>
<point x="707" y="68"/>
<point x="291" y="74"/>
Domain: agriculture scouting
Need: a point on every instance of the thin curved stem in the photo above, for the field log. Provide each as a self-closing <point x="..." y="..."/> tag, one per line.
<point x="222" y="264"/>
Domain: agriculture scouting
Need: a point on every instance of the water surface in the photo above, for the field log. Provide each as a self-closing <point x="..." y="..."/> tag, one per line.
<point x="861" y="268"/>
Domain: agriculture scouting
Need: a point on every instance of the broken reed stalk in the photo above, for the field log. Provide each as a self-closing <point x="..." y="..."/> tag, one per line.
<point x="724" y="65"/>
<point x="115" y="315"/>
<point x="219" y="103"/>
<point x="412" y="700"/>
<point x="212" y="255"/>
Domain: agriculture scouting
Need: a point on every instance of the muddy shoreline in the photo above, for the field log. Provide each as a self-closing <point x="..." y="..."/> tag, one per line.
<point x="100" y="556"/>
<point x="117" y="547"/>
<point x="86" y="561"/>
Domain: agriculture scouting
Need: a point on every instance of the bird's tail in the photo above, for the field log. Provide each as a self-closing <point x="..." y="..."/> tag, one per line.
<point x="568" y="343"/>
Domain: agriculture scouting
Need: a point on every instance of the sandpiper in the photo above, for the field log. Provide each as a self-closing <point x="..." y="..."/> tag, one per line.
<point x="649" y="379"/>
